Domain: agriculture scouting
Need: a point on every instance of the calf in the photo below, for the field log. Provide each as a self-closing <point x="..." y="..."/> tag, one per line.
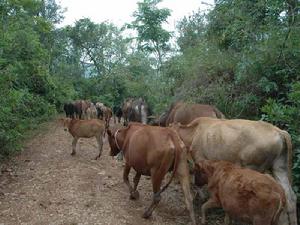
<point x="243" y="193"/>
<point x="152" y="151"/>
<point x="85" y="129"/>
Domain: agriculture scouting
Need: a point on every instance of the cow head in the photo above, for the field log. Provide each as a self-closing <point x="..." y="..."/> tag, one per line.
<point x="114" y="149"/>
<point x="65" y="123"/>
<point x="203" y="170"/>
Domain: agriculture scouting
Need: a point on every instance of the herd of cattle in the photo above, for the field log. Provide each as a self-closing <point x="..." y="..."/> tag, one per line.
<point x="234" y="157"/>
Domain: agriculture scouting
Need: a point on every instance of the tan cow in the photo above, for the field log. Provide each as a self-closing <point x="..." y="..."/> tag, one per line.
<point x="152" y="151"/>
<point x="243" y="193"/>
<point x="85" y="129"/>
<point x="126" y="106"/>
<point x="253" y="144"/>
<point x="91" y="112"/>
<point x="85" y="104"/>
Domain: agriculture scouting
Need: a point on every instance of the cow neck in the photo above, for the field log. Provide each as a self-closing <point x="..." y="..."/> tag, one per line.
<point x="71" y="123"/>
<point x="116" y="141"/>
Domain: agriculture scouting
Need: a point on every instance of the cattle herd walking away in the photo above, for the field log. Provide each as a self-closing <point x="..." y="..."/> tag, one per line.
<point x="245" y="164"/>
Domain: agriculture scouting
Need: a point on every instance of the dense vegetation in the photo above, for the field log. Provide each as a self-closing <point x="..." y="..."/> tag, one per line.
<point x="242" y="56"/>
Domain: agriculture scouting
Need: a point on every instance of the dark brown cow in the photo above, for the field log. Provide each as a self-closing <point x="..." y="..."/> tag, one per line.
<point x="243" y="193"/>
<point x="81" y="107"/>
<point x="69" y="109"/>
<point x="78" y="109"/>
<point x="185" y="113"/>
<point x="117" y="112"/>
<point x="152" y="151"/>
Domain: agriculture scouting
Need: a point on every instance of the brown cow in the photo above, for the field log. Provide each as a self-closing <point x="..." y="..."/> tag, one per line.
<point x="107" y="114"/>
<point x="104" y="112"/>
<point x="152" y="151"/>
<point x="185" y="113"/>
<point x="243" y="193"/>
<point x="253" y="144"/>
<point x="78" y="109"/>
<point x="85" y="129"/>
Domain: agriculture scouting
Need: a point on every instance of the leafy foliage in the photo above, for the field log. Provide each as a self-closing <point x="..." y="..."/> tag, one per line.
<point x="242" y="56"/>
<point x="148" y="22"/>
<point x="29" y="93"/>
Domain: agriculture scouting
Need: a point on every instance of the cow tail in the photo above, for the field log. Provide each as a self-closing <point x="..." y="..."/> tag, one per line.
<point x="178" y="150"/>
<point x="218" y="113"/>
<point x="288" y="142"/>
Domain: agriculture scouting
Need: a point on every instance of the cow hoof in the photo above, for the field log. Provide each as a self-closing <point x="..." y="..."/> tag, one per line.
<point x="146" y="215"/>
<point x="134" y="195"/>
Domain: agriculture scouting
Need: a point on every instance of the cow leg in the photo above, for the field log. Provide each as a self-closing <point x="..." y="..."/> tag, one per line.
<point x="211" y="203"/>
<point x="100" y="145"/>
<point x="289" y="215"/>
<point x="74" y="142"/>
<point x="125" y="177"/>
<point x="135" y="194"/>
<point x="184" y="178"/>
<point x="156" y="177"/>
<point x="227" y="220"/>
<point x="155" y="200"/>
<point x="120" y="156"/>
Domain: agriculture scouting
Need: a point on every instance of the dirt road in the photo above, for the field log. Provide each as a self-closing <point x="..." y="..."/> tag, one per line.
<point x="46" y="185"/>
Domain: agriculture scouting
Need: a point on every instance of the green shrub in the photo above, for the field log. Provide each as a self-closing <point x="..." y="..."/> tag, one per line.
<point x="19" y="112"/>
<point x="287" y="116"/>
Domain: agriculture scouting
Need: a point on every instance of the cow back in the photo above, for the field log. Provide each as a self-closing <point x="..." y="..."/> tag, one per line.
<point x="185" y="113"/>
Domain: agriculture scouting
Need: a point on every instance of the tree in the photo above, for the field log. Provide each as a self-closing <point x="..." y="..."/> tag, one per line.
<point x="101" y="44"/>
<point x="148" y="22"/>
